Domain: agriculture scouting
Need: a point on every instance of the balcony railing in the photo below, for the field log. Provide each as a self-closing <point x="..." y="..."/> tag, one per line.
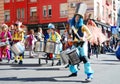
<point x="33" y="19"/>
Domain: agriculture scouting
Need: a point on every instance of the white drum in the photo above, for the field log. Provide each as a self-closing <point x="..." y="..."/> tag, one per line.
<point x="64" y="56"/>
<point x="18" y="48"/>
<point x="39" y="46"/>
<point x="50" y="47"/>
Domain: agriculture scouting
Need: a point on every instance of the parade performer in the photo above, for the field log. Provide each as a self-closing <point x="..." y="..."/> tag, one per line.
<point x="39" y="35"/>
<point x="31" y="42"/>
<point x="54" y="36"/>
<point x="18" y="36"/>
<point x="85" y="35"/>
<point x="97" y="38"/>
<point x="5" y="36"/>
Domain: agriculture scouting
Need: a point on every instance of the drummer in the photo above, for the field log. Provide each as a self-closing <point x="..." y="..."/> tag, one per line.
<point x="85" y="34"/>
<point x="18" y="36"/>
<point x="5" y="36"/>
<point x="53" y="36"/>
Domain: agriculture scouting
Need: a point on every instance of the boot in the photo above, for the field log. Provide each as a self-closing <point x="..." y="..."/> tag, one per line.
<point x="73" y="75"/>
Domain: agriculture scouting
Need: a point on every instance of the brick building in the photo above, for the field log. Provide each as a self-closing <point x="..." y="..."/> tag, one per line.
<point x="1" y="11"/>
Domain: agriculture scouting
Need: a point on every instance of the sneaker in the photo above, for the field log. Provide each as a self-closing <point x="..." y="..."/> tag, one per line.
<point x="88" y="79"/>
<point x="8" y="61"/>
<point x="20" y="62"/>
<point x="73" y="75"/>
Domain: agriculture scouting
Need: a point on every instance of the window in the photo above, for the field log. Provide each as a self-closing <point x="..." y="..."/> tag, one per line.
<point x="6" y="1"/>
<point x="106" y="14"/>
<point x="63" y="10"/>
<point x="98" y="10"/>
<point x="7" y="15"/>
<point x="33" y="0"/>
<point x="103" y="11"/>
<point x="49" y="10"/>
<point x="18" y="13"/>
<point x="22" y="13"/>
<point x="44" y="11"/>
<point x="33" y="11"/>
<point x="114" y="19"/>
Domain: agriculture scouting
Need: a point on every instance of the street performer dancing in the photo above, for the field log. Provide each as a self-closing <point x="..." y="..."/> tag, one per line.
<point x="81" y="43"/>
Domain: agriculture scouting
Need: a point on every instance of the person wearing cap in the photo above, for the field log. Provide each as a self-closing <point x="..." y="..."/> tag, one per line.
<point x="54" y="37"/>
<point x="18" y="36"/>
<point x="5" y="36"/>
<point x="82" y="50"/>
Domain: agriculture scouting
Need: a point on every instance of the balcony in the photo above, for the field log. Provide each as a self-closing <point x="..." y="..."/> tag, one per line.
<point x="33" y="19"/>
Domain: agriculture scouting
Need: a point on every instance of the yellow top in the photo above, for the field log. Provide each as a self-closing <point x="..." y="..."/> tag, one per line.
<point x="86" y="32"/>
<point x="55" y="37"/>
<point x="18" y="36"/>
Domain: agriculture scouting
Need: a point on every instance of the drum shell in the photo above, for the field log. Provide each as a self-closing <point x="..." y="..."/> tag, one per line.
<point x="64" y="56"/>
<point x="40" y="46"/>
<point x="73" y="57"/>
<point x="18" y="48"/>
<point x="50" y="47"/>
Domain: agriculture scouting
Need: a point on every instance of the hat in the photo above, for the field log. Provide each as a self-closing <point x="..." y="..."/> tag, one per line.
<point x="81" y="9"/>
<point x="51" y="26"/>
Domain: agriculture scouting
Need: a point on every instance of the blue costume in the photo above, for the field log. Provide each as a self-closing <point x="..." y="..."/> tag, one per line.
<point x="81" y="50"/>
<point x="118" y="53"/>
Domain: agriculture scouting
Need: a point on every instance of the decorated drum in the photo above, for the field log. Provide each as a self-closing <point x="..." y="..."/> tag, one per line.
<point x="18" y="48"/>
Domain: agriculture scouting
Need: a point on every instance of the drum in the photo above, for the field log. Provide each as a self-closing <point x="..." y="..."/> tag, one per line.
<point x="73" y="56"/>
<point x="64" y="56"/>
<point x="18" y="48"/>
<point x="39" y="46"/>
<point x="50" y="47"/>
<point x="4" y="43"/>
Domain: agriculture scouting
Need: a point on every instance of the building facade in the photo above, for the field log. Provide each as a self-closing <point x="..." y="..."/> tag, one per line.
<point x="39" y="13"/>
<point x="102" y="11"/>
<point x="1" y="11"/>
<point x="36" y="13"/>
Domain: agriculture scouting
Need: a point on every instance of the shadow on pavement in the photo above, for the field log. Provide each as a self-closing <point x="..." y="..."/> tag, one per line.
<point x="43" y="79"/>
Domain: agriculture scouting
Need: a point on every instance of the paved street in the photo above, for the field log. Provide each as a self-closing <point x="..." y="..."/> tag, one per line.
<point x="106" y="68"/>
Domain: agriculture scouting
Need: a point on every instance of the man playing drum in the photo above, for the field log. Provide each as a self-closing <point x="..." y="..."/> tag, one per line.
<point x="18" y="36"/>
<point x="54" y="37"/>
<point x="80" y="36"/>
